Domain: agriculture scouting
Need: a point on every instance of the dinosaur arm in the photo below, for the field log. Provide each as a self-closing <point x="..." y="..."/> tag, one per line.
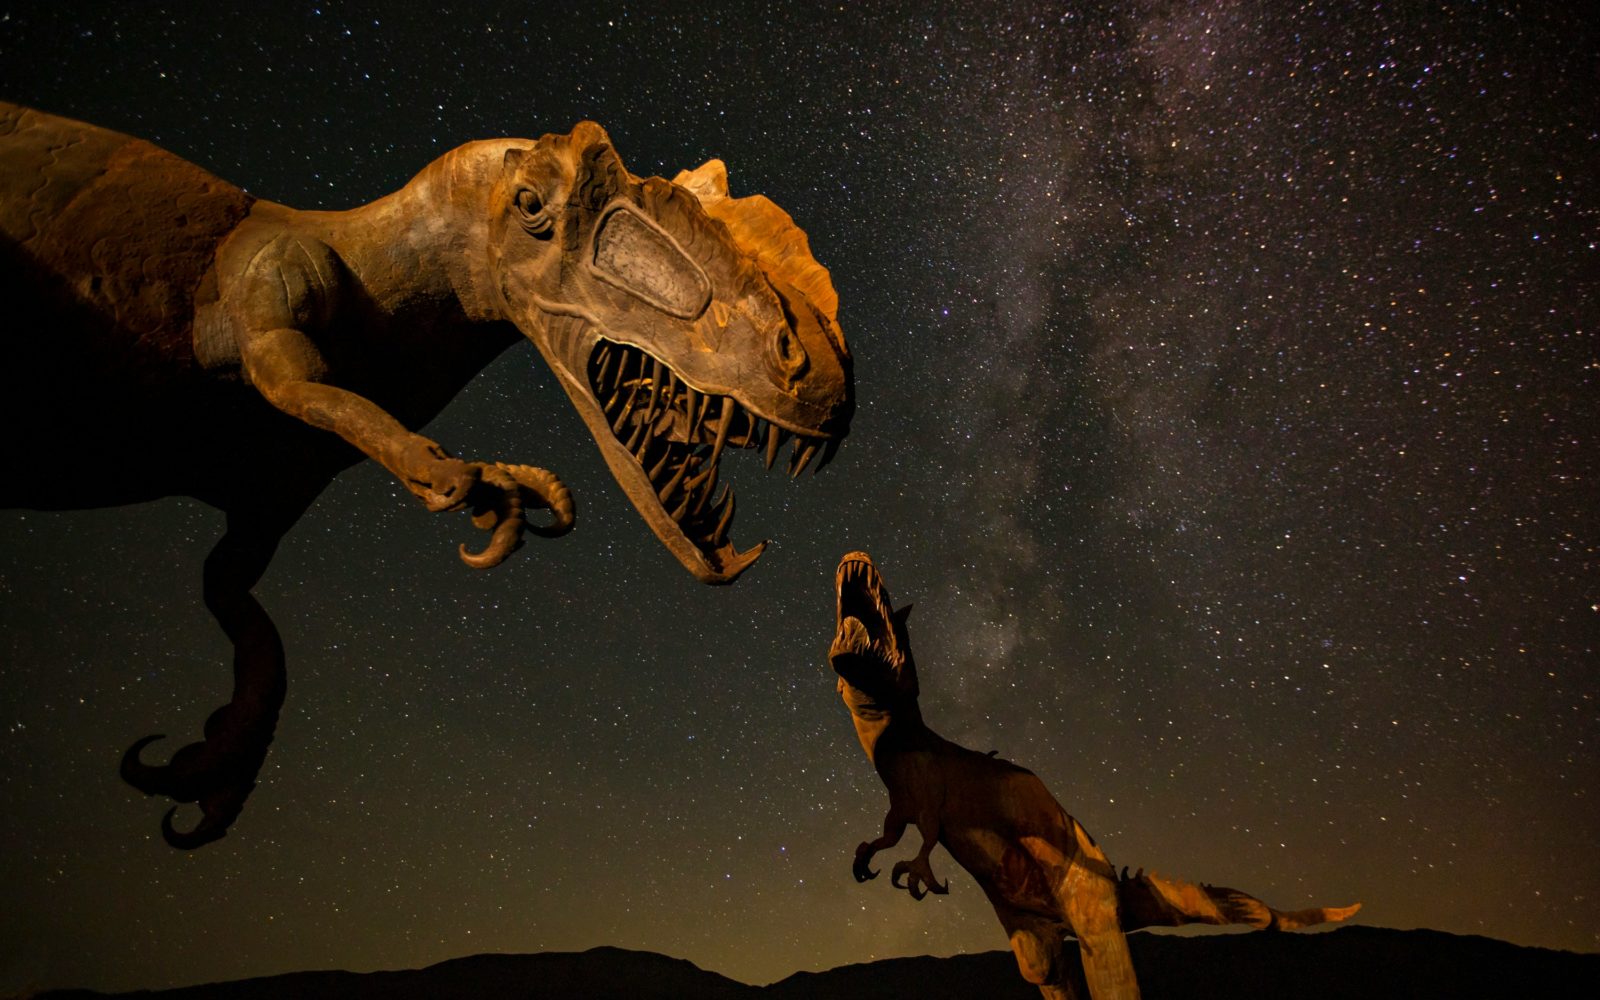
<point x="288" y="291"/>
<point x="918" y="871"/>
<point x="286" y="368"/>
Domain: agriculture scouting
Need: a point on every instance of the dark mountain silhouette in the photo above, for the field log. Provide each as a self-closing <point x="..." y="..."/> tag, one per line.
<point x="1368" y="963"/>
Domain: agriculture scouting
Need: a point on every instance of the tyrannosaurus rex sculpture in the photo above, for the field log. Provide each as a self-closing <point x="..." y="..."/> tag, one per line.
<point x="173" y="335"/>
<point x="1043" y="873"/>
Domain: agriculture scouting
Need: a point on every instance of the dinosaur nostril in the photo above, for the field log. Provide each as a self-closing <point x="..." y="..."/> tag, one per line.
<point x="789" y="354"/>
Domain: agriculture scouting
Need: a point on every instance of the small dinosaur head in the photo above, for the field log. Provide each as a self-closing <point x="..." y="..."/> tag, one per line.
<point x="871" y="649"/>
<point x="681" y="322"/>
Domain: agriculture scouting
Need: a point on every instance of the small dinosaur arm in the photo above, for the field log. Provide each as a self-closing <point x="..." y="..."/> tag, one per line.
<point x="168" y="334"/>
<point x="1043" y="873"/>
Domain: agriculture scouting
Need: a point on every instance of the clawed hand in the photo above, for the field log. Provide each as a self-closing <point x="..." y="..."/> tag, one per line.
<point x="442" y="483"/>
<point x="919" y="878"/>
<point x="503" y="494"/>
<point x="861" y="868"/>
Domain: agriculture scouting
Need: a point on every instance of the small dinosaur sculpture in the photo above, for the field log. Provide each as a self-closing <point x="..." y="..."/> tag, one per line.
<point x="1044" y="875"/>
<point x="169" y="334"/>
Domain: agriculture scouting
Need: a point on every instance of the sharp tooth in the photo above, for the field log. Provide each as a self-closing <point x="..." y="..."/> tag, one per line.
<point x="666" y="491"/>
<point x="682" y="509"/>
<point x="794" y="455"/>
<point x="655" y="470"/>
<point x="627" y="408"/>
<point x="607" y="355"/>
<point x="657" y="376"/>
<point x="828" y="451"/>
<point x="724" y="421"/>
<point x="727" y="515"/>
<point x="705" y="488"/>
<point x="641" y="441"/>
<point x="803" y="458"/>
<point x="695" y="407"/>
<point x="639" y="432"/>
<point x="775" y="436"/>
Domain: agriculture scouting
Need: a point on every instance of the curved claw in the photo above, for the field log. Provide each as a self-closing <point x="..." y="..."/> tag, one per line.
<point x="217" y="773"/>
<point x="515" y="487"/>
<point x="137" y="773"/>
<point x="211" y="827"/>
<point x="919" y="879"/>
<point x="861" y="868"/>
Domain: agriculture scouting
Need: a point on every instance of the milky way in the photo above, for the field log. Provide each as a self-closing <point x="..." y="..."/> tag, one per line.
<point x="1226" y="376"/>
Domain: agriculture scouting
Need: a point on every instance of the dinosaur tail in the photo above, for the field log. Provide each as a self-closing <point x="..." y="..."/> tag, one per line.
<point x="1153" y="901"/>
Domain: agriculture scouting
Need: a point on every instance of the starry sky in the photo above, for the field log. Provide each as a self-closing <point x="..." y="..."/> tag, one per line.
<point x="1227" y="395"/>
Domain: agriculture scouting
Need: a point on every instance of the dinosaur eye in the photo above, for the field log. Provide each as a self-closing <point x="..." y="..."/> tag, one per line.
<point x="530" y="208"/>
<point x="637" y="256"/>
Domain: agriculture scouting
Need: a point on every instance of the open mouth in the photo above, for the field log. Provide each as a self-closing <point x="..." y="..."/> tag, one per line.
<point x="863" y="610"/>
<point x="678" y="435"/>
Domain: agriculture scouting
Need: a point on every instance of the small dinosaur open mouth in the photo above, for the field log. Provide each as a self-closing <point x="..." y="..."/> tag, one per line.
<point x="863" y="609"/>
<point x="677" y="435"/>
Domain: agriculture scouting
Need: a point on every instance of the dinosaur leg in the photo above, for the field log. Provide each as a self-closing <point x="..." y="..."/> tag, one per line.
<point x="1039" y="945"/>
<point x="1153" y="901"/>
<point x="219" y="771"/>
<point x="1090" y="902"/>
<point x="1085" y="889"/>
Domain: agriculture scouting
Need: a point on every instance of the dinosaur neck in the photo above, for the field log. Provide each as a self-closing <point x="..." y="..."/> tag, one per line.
<point x="429" y="240"/>
<point x="879" y="727"/>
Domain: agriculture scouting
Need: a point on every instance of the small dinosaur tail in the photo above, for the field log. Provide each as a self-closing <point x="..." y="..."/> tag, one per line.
<point x="1153" y="901"/>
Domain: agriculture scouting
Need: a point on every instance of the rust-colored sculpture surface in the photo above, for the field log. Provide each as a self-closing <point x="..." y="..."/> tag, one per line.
<point x="169" y="334"/>
<point x="1044" y="875"/>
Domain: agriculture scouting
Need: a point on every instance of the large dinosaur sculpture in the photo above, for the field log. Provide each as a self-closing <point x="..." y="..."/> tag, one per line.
<point x="1044" y="875"/>
<point x="169" y="334"/>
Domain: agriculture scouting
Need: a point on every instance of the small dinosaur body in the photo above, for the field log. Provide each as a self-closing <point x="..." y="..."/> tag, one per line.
<point x="1045" y="876"/>
<point x="168" y="334"/>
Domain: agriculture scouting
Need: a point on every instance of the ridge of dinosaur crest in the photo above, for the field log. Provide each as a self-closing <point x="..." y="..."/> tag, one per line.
<point x="767" y="232"/>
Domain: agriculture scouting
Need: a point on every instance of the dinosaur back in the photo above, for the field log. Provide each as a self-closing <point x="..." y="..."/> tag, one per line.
<point x="117" y="233"/>
<point x="106" y="247"/>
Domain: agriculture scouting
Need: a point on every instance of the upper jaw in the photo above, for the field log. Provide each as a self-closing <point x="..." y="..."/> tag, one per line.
<point x="664" y="440"/>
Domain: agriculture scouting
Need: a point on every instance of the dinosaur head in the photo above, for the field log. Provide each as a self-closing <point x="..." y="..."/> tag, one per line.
<point x="681" y="322"/>
<point x="871" y="649"/>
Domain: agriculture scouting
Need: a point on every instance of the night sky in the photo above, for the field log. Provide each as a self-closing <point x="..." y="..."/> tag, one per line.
<point x="1227" y="398"/>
